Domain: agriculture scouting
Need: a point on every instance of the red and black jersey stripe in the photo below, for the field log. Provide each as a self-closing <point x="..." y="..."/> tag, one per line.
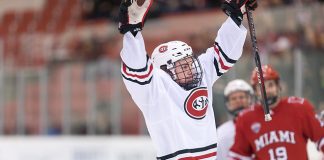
<point x="222" y="62"/>
<point x="194" y="153"/>
<point x="140" y="76"/>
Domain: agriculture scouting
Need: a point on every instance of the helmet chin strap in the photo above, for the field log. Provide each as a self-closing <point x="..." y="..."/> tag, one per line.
<point x="272" y="100"/>
<point x="236" y="111"/>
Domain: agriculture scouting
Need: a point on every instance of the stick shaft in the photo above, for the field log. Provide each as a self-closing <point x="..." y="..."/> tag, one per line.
<point x="258" y="63"/>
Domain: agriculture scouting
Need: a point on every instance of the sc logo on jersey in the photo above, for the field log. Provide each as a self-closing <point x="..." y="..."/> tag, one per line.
<point x="196" y="103"/>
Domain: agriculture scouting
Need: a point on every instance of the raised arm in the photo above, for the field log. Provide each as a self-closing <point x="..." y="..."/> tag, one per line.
<point x="131" y="22"/>
<point x="137" y="69"/>
<point x="229" y="42"/>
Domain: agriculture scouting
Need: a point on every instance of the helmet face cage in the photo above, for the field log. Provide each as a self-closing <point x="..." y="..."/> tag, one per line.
<point x="186" y="72"/>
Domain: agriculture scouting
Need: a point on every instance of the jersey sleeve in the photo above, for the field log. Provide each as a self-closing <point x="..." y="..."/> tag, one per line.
<point x="241" y="149"/>
<point x="312" y="127"/>
<point x="137" y="69"/>
<point x="226" y="51"/>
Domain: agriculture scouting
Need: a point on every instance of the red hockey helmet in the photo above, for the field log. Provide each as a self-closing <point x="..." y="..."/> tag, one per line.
<point x="269" y="73"/>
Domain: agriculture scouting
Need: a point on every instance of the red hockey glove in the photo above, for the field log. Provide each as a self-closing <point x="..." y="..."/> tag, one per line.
<point x="132" y="16"/>
<point x="236" y="8"/>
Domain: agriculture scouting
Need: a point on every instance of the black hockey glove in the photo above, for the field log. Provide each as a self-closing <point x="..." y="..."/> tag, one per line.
<point x="236" y="8"/>
<point x="132" y="16"/>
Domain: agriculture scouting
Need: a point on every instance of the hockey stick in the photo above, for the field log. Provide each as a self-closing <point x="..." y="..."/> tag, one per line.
<point x="266" y="109"/>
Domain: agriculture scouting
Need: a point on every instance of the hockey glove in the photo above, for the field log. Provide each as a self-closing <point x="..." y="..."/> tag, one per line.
<point x="132" y="16"/>
<point x="236" y="8"/>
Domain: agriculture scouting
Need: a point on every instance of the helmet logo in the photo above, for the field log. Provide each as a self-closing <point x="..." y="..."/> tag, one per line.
<point x="162" y="49"/>
<point x="196" y="103"/>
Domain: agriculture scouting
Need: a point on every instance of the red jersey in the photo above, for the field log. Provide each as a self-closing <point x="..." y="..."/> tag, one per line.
<point x="285" y="137"/>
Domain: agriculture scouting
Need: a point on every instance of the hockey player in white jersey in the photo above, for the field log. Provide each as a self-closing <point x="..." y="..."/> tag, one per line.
<point x="238" y="96"/>
<point x="173" y="87"/>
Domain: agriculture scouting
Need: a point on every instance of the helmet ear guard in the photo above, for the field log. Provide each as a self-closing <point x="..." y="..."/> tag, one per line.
<point x="168" y="71"/>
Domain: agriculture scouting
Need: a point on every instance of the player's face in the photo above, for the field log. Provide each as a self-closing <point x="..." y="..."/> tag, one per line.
<point x="272" y="90"/>
<point x="238" y="99"/>
<point x="184" y="71"/>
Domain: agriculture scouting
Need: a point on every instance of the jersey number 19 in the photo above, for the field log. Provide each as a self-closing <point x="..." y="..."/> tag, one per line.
<point x="279" y="153"/>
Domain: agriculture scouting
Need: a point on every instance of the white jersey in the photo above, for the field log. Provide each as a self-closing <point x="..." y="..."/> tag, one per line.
<point x="181" y="123"/>
<point x="225" y="134"/>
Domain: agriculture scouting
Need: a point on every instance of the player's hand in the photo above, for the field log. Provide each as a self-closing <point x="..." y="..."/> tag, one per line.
<point x="132" y="16"/>
<point x="236" y="8"/>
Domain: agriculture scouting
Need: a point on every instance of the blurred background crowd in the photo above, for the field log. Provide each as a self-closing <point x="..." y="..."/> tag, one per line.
<point x="94" y="9"/>
<point x="60" y="65"/>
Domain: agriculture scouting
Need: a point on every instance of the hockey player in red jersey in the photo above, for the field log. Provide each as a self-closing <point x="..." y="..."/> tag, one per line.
<point x="173" y="88"/>
<point x="285" y="137"/>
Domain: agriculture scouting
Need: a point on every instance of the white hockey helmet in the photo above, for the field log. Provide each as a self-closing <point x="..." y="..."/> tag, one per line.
<point x="170" y="52"/>
<point x="237" y="85"/>
<point x="166" y="56"/>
